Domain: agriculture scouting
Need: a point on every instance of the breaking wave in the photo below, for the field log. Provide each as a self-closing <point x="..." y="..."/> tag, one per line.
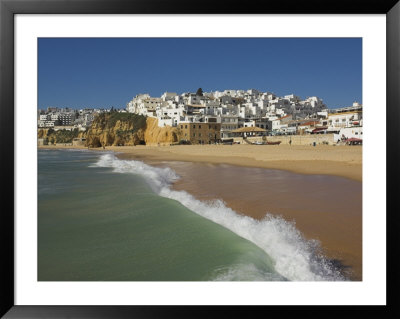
<point x="295" y="258"/>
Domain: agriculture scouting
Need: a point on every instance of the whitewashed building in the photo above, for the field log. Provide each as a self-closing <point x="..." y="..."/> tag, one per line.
<point x="348" y="132"/>
<point x="250" y="107"/>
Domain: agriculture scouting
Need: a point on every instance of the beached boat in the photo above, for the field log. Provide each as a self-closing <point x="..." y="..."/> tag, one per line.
<point x="273" y="143"/>
<point x="354" y="141"/>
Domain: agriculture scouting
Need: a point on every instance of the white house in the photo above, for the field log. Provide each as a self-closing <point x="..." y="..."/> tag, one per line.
<point x="348" y="132"/>
<point x="228" y="124"/>
<point x="344" y="119"/>
<point x="168" y="96"/>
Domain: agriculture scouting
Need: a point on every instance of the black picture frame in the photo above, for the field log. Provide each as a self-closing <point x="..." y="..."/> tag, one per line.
<point x="8" y="8"/>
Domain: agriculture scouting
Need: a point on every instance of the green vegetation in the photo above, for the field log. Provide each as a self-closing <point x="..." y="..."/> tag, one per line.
<point x="108" y="120"/>
<point x="62" y="136"/>
<point x="105" y="130"/>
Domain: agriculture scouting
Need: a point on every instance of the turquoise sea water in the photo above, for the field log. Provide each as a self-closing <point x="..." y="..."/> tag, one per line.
<point x="105" y="219"/>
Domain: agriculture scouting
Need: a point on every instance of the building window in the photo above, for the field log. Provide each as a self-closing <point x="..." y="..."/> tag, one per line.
<point x="194" y="134"/>
<point x="185" y="126"/>
<point x="181" y="126"/>
<point x="194" y="126"/>
<point x="199" y="134"/>
<point x="199" y="126"/>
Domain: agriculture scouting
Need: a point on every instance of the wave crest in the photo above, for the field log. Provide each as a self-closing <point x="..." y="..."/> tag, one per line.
<point x="295" y="258"/>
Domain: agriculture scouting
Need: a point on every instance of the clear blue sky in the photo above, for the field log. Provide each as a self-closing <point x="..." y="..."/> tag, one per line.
<point x="105" y="72"/>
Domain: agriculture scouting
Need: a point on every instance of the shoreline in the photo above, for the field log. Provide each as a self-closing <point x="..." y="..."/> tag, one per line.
<point x="343" y="161"/>
<point x="309" y="201"/>
<point x="199" y="177"/>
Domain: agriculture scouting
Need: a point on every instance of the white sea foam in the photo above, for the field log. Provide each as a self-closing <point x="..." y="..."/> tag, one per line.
<point x="295" y="258"/>
<point x="245" y="272"/>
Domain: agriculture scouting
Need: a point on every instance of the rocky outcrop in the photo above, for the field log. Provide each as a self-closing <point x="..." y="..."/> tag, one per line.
<point x="116" y="129"/>
<point x="122" y="129"/>
<point x="42" y="133"/>
<point x="155" y="135"/>
<point x="59" y="136"/>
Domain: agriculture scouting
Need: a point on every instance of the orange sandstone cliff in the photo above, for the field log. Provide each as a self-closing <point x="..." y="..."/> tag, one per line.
<point x="154" y="135"/>
<point x="119" y="129"/>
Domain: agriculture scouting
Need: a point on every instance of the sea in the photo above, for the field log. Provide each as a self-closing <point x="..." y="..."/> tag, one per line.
<point x="101" y="218"/>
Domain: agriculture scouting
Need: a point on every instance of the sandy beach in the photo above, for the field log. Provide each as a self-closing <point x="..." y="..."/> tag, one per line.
<point x="330" y="160"/>
<point x="344" y="161"/>
<point x="237" y="175"/>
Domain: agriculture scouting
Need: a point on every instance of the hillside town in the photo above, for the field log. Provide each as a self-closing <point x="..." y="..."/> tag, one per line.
<point x="67" y="118"/>
<point x="225" y="116"/>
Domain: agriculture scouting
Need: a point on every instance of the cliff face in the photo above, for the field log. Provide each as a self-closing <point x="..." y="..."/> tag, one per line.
<point x="42" y="132"/>
<point x="155" y="135"/>
<point x="121" y="129"/>
<point x="60" y="136"/>
<point x="117" y="129"/>
<point x="128" y="133"/>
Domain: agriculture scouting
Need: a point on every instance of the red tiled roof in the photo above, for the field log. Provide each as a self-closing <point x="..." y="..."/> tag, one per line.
<point x="319" y="129"/>
<point x="353" y="139"/>
<point x="310" y="123"/>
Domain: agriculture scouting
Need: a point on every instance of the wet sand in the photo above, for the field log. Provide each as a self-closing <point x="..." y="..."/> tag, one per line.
<point x="345" y="161"/>
<point x="324" y="200"/>
<point x="325" y="208"/>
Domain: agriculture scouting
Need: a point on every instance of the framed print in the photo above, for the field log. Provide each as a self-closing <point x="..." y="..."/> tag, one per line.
<point x="188" y="158"/>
